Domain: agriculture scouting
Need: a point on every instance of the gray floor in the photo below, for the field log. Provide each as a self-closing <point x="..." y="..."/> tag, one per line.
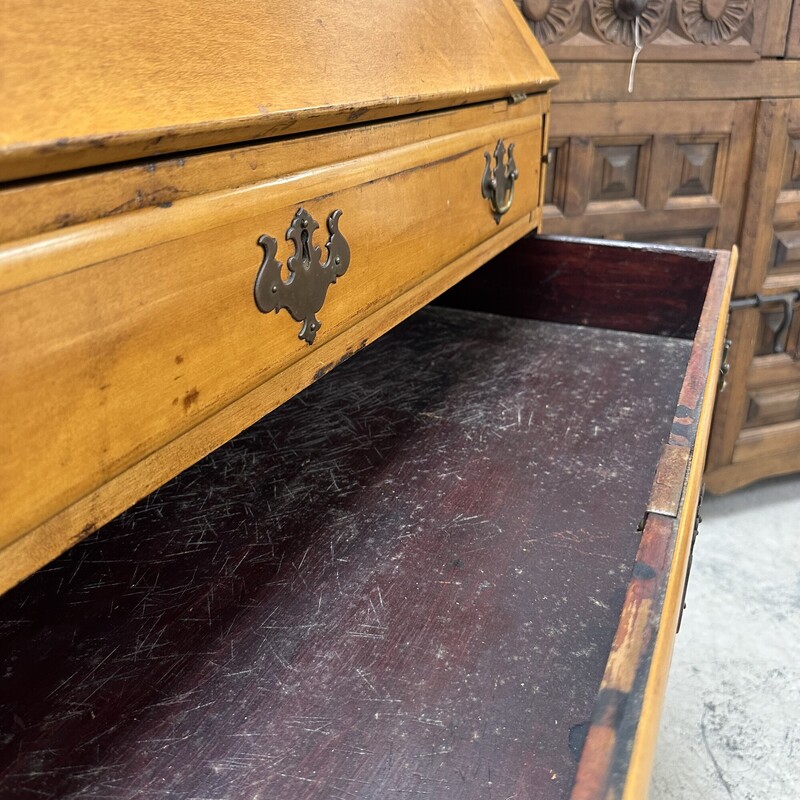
<point x="731" y="722"/>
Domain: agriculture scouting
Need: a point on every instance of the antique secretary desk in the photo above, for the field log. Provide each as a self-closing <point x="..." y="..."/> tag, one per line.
<point x="452" y="567"/>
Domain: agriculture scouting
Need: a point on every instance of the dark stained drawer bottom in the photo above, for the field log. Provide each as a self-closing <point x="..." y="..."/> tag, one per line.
<point x="404" y="582"/>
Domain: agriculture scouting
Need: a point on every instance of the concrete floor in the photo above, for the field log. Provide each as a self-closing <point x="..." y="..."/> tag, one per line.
<point x="731" y="722"/>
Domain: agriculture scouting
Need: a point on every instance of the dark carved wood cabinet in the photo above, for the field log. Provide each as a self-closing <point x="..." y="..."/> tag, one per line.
<point x="704" y="152"/>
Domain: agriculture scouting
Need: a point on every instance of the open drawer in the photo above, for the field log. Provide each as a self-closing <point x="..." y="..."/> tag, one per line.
<point x="453" y="567"/>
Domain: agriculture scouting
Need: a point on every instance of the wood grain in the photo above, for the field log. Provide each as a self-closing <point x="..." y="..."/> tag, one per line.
<point x="87" y="83"/>
<point x="778" y="35"/>
<point x="75" y="522"/>
<point x="158" y="331"/>
<point x="571" y="33"/>
<point x="695" y="413"/>
<point x="598" y="82"/>
<point x="734" y="476"/>
<point x="649" y="171"/>
<point x="793" y="39"/>
<point x="31" y="208"/>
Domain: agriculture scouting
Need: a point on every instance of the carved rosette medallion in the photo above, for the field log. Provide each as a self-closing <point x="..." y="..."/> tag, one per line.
<point x="551" y="21"/>
<point x="714" y="21"/>
<point x="615" y="29"/>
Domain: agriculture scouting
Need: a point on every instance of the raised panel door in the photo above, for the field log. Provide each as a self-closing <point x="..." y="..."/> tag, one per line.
<point x="757" y="430"/>
<point x="657" y="172"/>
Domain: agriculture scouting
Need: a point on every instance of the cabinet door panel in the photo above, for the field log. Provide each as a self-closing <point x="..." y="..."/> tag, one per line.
<point x="662" y="172"/>
<point x="757" y="430"/>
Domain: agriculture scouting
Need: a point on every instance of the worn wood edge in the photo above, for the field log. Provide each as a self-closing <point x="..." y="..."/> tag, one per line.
<point x="36" y="547"/>
<point x="714" y="320"/>
<point x="41" y="158"/>
<point x="49" y="255"/>
<point x="67" y="200"/>
<point x="706" y="356"/>
<point x="649" y="708"/>
<point x="549" y="76"/>
<point x="592" y="82"/>
<point x="697" y="253"/>
<point x="629" y="655"/>
<point x="642" y="649"/>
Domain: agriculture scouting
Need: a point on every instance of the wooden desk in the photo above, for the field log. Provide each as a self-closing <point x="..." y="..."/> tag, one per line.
<point x="489" y="472"/>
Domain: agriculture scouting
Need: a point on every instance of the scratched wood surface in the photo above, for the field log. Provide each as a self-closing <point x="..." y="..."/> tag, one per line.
<point x="404" y="582"/>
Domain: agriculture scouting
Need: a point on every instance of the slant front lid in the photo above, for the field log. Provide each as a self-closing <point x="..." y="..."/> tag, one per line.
<point x="86" y="82"/>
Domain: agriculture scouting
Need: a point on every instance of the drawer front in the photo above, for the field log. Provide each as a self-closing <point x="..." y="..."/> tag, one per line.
<point x="121" y="334"/>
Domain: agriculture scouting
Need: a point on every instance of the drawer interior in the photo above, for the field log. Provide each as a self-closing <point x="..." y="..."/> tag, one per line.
<point x="619" y="285"/>
<point x="407" y="579"/>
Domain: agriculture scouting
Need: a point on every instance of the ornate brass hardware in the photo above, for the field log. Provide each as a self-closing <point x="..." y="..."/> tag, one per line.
<point x="497" y="185"/>
<point x="303" y="292"/>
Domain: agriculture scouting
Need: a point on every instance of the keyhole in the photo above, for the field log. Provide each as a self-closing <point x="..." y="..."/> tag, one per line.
<point x="306" y="253"/>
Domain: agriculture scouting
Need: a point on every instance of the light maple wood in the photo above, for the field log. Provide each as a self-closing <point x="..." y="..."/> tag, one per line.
<point x="41" y="544"/>
<point x="91" y="82"/>
<point x="31" y="208"/>
<point x="125" y="333"/>
<point x="644" y="744"/>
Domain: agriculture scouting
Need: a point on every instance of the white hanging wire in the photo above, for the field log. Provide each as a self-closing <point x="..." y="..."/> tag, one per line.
<point x="638" y="47"/>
